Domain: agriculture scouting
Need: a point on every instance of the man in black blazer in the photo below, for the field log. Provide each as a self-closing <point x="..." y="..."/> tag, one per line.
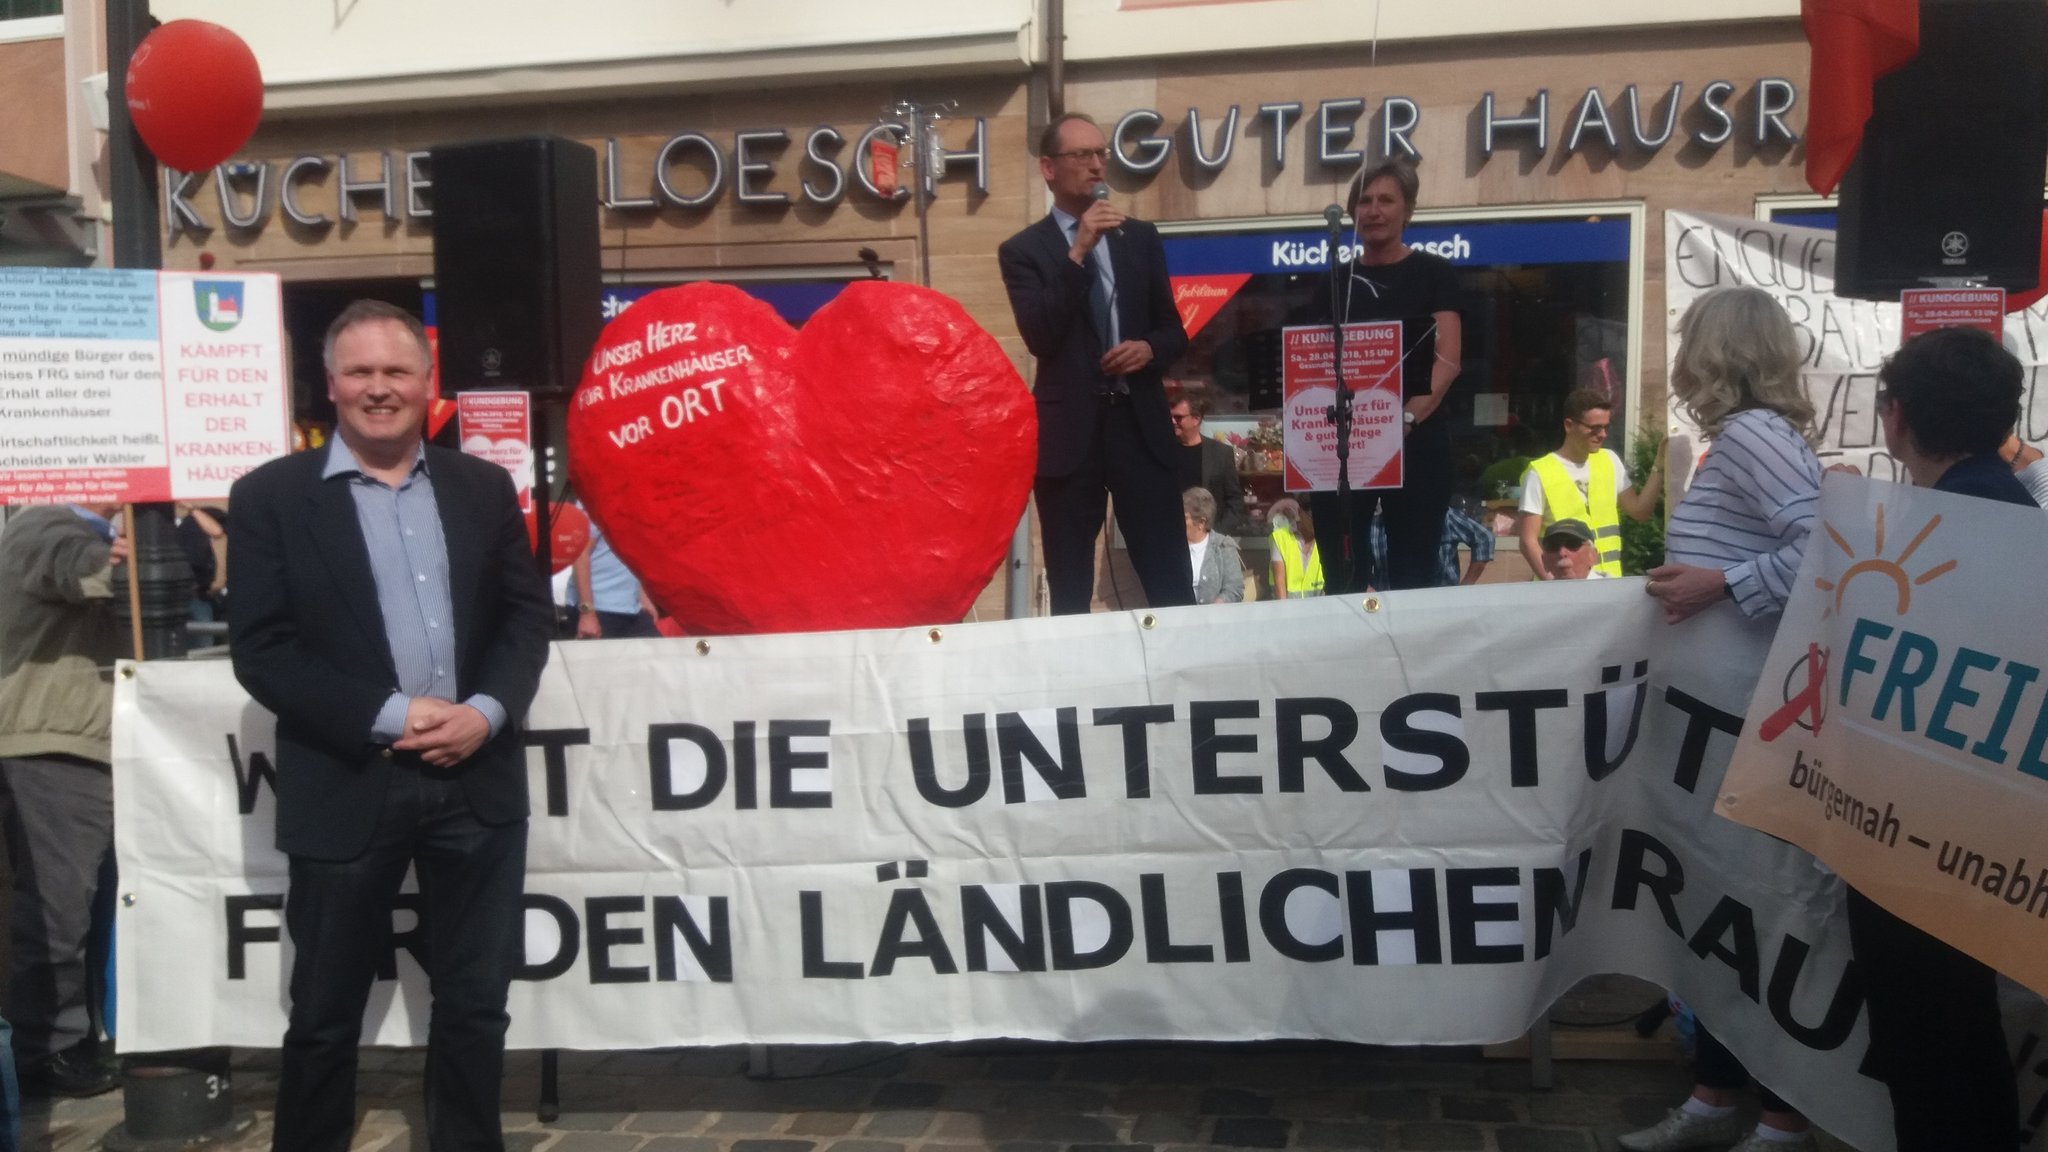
<point x="1210" y="464"/>
<point x="389" y="612"/>
<point x="1089" y="289"/>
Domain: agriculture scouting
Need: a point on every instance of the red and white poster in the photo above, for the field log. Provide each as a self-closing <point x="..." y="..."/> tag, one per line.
<point x="1925" y="309"/>
<point x="138" y="387"/>
<point x="498" y="426"/>
<point x="1372" y="369"/>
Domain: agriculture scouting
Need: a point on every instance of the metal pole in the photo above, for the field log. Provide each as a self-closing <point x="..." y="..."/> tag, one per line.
<point x="1055" y="59"/>
<point x="921" y="143"/>
<point x="165" y="576"/>
<point x="169" y="1099"/>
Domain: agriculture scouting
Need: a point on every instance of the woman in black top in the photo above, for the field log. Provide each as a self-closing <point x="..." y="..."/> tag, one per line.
<point x="1391" y="281"/>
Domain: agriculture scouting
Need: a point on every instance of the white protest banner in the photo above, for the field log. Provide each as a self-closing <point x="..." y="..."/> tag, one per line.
<point x="1417" y="818"/>
<point x="1845" y="341"/>
<point x="1901" y="727"/>
<point x="133" y="386"/>
<point x="1372" y="370"/>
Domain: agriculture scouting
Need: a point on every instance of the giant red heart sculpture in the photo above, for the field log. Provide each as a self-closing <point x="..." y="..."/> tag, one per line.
<point x="866" y="472"/>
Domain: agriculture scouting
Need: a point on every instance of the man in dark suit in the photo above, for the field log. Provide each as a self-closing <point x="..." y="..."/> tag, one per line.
<point x="1209" y="464"/>
<point x="1089" y="289"/>
<point x="388" y="610"/>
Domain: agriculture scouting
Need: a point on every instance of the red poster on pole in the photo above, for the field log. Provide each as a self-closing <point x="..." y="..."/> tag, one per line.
<point x="498" y="426"/>
<point x="882" y="165"/>
<point x="1372" y="369"/>
<point x="1925" y="309"/>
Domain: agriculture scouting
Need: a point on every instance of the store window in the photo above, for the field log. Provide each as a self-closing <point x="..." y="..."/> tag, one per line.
<point x="30" y="9"/>
<point x="1549" y="307"/>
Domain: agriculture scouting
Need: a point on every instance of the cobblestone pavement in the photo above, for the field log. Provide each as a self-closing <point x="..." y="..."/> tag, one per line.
<point x="1008" y="1096"/>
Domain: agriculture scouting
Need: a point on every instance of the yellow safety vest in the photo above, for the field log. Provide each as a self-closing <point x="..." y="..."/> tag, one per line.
<point x="1302" y="579"/>
<point x="1561" y="501"/>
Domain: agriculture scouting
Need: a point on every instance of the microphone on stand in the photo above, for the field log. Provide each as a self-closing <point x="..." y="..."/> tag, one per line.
<point x="1334" y="217"/>
<point x="1102" y="193"/>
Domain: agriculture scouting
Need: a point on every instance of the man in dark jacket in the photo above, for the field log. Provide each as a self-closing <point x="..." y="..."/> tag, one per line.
<point x="388" y="610"/>
<point x="1089" y="289"/>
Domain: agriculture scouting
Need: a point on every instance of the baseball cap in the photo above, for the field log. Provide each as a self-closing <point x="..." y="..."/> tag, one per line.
<point x="1574" y="531"/>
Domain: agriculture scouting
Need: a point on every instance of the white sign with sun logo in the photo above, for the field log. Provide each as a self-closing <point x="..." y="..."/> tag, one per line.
<point x="1900" y="730"/>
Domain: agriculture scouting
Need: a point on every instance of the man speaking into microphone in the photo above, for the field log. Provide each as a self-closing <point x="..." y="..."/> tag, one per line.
<point x="1089" y="289"/>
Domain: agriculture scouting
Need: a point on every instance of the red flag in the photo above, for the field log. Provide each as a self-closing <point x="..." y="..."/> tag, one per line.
<point x="1853" y="42"/>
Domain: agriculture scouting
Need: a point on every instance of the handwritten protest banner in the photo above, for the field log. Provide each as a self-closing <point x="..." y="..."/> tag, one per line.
<point x="1844" y="341"/>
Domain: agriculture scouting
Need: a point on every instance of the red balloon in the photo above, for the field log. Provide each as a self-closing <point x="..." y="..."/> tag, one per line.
<point x="866" y="472"/>
<point x="568" y="533"/>
<point x="194" y="93"/>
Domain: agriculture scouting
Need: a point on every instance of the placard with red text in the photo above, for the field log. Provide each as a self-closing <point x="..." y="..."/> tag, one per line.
<point x="134" y="386"/>
<point x="498" y="426"/>
<point x="1372" y="369"/>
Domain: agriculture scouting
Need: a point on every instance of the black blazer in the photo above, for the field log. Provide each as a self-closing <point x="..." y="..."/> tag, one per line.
<point x="308" y="642"/>
<point x="1049" y="296"/>
<point x="1219" y="476"/>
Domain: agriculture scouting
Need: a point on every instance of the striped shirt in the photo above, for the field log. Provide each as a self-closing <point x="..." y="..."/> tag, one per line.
<point x="1750" y="509"/>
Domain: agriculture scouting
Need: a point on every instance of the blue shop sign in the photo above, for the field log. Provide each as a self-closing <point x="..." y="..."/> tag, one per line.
<point x="793" y="300"/>
<point x="1475" y="244"/>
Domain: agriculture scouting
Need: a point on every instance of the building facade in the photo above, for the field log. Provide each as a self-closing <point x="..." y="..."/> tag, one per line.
<point x="736" y="143"/>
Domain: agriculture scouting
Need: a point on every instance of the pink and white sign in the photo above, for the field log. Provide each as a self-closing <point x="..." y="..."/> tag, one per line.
<point x="1372" y="369"/>
<point x="498" y="426"/>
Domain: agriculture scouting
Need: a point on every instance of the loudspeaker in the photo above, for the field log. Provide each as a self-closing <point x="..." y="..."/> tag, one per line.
<point x="1948" y="181"/>
<point x="516" y="267"/>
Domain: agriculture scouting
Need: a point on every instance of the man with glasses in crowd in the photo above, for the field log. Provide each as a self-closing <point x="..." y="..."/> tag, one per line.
<point x="1209" y="464"/>
<point x="1089" y="289"/>
<point x="1585" y="481"/>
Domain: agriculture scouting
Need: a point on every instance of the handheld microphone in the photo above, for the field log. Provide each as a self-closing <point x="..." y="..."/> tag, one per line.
<point x="1101" y="192"/>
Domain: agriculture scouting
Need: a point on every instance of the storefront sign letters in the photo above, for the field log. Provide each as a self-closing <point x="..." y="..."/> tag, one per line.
<point x="694" y="170"/>
<point x="690" y="170"/>
<point x="1336" y="132"/>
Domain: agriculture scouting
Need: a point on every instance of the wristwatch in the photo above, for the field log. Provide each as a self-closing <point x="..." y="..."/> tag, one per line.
<point x="587" y="609"/>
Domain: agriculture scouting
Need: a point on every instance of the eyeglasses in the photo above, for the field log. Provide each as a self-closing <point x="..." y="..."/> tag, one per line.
<point x="1080" y="154"/>
<point x="1180" y="416"/>
<point x="1601" y="429"/>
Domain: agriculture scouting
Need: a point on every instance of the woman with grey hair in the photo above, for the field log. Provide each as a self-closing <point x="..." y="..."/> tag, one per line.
<point x="1741" y="529"/>
<point x="1733" y="545"/>
<point x="1213" y="557"/>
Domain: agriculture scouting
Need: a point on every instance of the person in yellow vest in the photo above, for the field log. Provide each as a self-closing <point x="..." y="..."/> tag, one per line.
<point x="1297" y="561"/>
<point x="1584" y="480"/>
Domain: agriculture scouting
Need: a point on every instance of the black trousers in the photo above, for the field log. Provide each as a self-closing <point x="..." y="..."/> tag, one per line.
<point x="626" y="626"/>
<point x="1714" y="1066"/>
<point x="60" y="841"/>
<point x="1936" y="1037"/>
<point x="471" y="876"/>
<point x="1414" y="515"/>
<point x="1071" y="510"/>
